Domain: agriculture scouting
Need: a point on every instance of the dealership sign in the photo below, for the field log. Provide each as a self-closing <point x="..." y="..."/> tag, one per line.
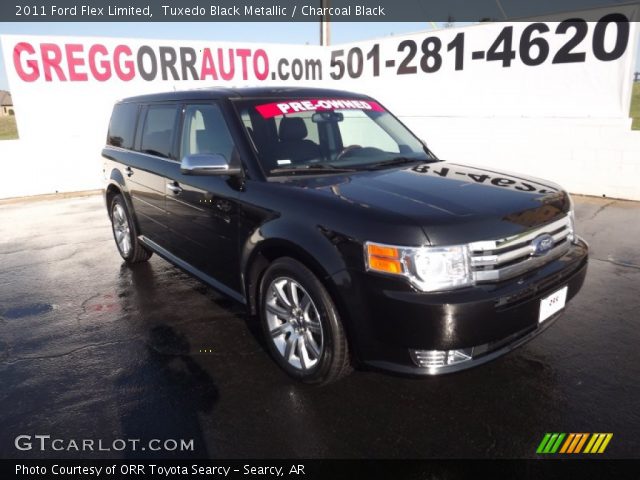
<point x="63" y="88"/>
<point x="77" y="62"/>
<point x="567" y="69"/>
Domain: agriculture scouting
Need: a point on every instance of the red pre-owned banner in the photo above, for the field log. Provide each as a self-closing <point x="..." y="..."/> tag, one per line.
<point x="269" y="110"/>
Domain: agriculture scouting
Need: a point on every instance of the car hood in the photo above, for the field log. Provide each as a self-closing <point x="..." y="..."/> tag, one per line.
<point x="453" y="203"/>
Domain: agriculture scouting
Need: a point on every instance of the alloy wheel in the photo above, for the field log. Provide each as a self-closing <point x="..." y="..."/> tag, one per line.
<point x="121" y="229"/>
<point x="294" y="323"/>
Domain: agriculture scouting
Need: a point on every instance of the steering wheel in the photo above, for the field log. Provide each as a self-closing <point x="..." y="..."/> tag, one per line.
<point x="346" y="150"/>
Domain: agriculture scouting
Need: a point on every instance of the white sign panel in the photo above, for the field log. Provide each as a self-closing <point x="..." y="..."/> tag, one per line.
<point x="453" y="86"/>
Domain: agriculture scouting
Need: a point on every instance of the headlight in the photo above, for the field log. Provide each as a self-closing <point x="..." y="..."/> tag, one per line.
<point x="427" y="268"/>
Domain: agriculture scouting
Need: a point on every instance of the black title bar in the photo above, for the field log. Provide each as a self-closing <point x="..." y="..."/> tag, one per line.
<point x="318" y="469"/>
<point x="290" y="10"/>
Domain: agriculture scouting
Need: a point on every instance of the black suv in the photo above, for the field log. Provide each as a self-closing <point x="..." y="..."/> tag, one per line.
<point x="346" y="236"/>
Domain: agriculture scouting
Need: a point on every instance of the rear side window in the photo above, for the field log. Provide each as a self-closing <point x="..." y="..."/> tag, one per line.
<point x="157" y="132"/>
<point x="123" y="125"/>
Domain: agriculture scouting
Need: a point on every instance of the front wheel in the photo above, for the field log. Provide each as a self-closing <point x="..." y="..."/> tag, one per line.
<point x="301" y="324"/>
<point x="125" y="234"/>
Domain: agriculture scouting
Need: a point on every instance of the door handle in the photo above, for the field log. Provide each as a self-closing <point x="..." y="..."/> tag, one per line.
<point x="174" y="187"/>
<point x="128" y="171"/>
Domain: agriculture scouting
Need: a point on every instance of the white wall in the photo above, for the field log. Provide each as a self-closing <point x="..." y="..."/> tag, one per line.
<point x="48" y="167"/>
<point x="590" y="157"/>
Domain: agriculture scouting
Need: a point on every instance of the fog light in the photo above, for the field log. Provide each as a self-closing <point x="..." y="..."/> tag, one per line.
<point x="440" y="358"/>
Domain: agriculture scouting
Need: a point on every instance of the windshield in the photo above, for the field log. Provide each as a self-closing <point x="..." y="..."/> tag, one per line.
<point x="294" y="135"/>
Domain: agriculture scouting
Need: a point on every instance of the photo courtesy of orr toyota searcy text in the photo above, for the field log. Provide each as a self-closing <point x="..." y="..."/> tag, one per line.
<point x="162" y="471"/>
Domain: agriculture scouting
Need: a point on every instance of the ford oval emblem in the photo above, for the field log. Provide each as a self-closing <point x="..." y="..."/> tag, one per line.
<point x="542" y="244"/>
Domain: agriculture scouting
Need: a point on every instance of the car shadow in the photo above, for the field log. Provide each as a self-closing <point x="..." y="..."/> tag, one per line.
<point x="162" y="395"/>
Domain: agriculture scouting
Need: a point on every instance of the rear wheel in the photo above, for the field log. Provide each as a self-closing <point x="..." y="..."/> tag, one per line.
<point x="125" y="234"/>
<point x="301" y="324"/>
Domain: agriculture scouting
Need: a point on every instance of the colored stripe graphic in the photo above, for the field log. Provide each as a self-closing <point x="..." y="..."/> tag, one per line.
<point x="606" y="442"/>
<point x="590" y="444"/>
<point x="598" y="442"/>
<point x="573" y="448"/>
<point x="550" y="443"/>
<point x="581" y="442"/>
<point x="543" y="443"/>
<point x="567" y="443"/>
<point x="553" y="443"/>
<point x="596" y="445"/>
<point x="556" y="445"/>
<point x="578" y="441"/>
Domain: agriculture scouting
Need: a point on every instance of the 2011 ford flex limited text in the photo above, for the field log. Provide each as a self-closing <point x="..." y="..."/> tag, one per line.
<point x="345" y="235"/>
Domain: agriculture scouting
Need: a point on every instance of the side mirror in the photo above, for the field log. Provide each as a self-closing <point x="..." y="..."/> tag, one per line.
<point x="207" y="164"/>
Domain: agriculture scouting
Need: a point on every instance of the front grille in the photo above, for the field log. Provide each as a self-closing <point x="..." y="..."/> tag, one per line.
<point x="497" y="260"/>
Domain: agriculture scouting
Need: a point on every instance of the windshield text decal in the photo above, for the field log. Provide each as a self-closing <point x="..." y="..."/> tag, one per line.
<point x="269" y="110"/>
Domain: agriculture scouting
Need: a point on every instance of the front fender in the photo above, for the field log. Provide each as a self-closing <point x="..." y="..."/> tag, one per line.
<point x="317" y="248"/>
<point x="313" y="242"/>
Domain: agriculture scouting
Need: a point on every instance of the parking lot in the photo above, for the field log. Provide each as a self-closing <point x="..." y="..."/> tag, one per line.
<point x="90" y="348"/>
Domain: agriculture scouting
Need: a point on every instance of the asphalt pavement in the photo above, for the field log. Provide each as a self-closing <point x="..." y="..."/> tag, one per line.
<point x="93" y="349"/>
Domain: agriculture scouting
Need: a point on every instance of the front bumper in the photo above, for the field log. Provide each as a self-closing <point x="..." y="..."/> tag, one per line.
<point x="389" y="322"/>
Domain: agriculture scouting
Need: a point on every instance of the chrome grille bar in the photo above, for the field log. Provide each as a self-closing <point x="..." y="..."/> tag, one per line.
<point x="496" y="260"/>
<point x="509" y="242"/>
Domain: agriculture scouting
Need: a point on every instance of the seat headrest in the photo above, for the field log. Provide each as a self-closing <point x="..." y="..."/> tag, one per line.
<point x="292" y="128"/>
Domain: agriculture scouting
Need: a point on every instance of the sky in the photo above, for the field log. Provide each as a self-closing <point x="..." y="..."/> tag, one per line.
<point x="299" y="32"/>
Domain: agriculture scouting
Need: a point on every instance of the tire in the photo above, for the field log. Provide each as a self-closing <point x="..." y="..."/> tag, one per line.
<point x="301" y="324"/>
<point x="125" y="233"/>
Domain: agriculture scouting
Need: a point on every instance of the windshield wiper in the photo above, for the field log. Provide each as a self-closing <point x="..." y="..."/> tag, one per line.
<point x="397" y="161"/>
<point x="316" y="168"/>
